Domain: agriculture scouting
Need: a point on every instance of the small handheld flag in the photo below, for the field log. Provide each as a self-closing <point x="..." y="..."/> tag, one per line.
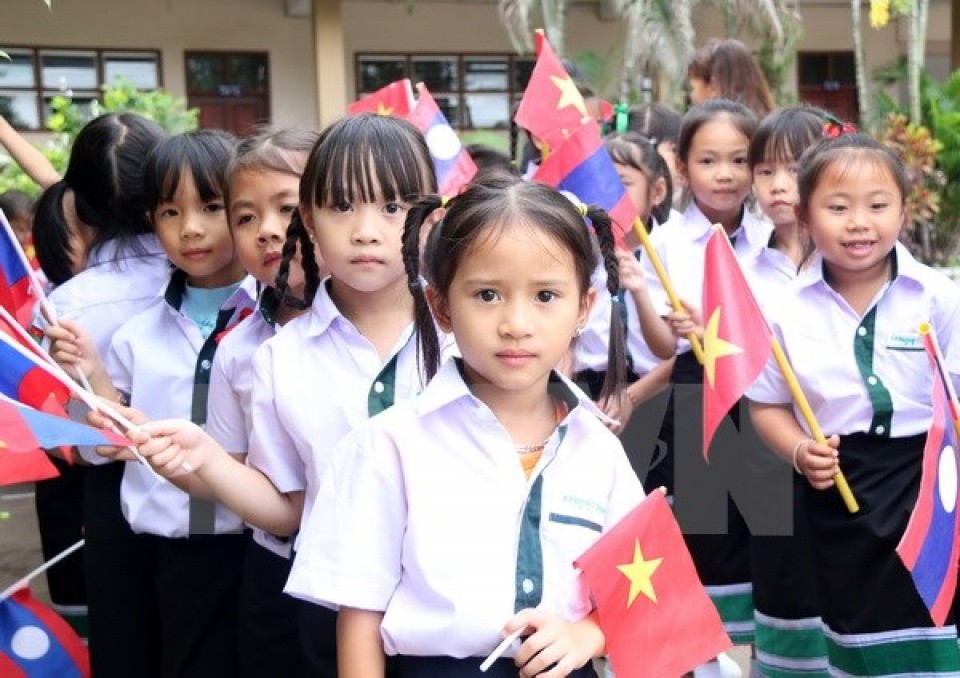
<point x="929" y="547"/>
<point x="395" y="99"/>
<point x="454" y="166"/>
<point x="655" y="614"/>
<point x="16" y="278"/>
<point x="582" y="166"/>
<point x="36" y="643"/>
<point x="29" y="379"/>
<point x="736" y="340"/>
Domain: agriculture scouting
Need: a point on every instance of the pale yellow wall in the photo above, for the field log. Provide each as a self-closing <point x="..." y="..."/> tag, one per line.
<point x="177" y="25"/>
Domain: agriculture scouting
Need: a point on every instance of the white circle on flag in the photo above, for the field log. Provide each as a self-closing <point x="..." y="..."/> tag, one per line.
<point x="948" y="479"/>
<point x="30" y="642"/>
<point x="443" y="142"/>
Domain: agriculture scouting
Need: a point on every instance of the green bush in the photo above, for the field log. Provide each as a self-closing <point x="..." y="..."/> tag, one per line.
<point x="67" y="119"/>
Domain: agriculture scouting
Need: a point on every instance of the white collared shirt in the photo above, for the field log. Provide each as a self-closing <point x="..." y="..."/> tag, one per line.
<point x="153" y="358"/>
<point x="681" y="246"/>
<point x="829" y="346"/>
<point x="426" y="513"/>
<point x="313" y="383"/>
<point x="770" y="274"/>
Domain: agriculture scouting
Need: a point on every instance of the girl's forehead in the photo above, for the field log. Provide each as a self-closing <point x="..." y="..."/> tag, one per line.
<point x="858" y="170"/>
<point x="720" y="129"/>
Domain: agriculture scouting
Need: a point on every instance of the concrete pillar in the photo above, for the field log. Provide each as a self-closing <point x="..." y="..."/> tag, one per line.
<point x="330" y="56"/>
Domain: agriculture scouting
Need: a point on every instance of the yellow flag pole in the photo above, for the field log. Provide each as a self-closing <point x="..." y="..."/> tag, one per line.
<point x="641" y="230"/>
<point x="801" y="400"/>
<point x="927" y="329"/>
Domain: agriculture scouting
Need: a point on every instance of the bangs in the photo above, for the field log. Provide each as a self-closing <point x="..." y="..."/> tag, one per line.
<point x="366" y="160"/>
<point x="207" y="155"/>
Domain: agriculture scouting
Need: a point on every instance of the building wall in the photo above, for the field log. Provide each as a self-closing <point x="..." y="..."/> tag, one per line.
<point x="371" y="26"/>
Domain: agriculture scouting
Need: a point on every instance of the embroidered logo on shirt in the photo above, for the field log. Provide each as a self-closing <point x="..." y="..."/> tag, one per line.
<point x="905" y="342"/>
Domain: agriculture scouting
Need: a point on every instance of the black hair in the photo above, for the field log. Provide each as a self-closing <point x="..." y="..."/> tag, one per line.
<point x="53" y="240"/>
<point x="487" y="158"/>
<point x="732" y="70"/>
<point x="658" y="122"/>
<point x="284" y="151"/>
<point x="359" y="158"/>
<point x="743" y="120"/>
<point x="640" y="152"/>
<point x="105" y="173"/>
<point x="206" y="154"/>
<point x="14" y="203"/>
<point x="785" y="134"/>
<point x="493" y="205"/>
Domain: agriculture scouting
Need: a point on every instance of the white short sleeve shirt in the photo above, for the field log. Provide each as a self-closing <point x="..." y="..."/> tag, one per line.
<point x="429" y="517"/>
<point x="865" y="374"/>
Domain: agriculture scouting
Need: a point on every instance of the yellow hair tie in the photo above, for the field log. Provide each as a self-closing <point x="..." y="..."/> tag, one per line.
<point x="444" y="200"/>
<point x="584" y="209"/>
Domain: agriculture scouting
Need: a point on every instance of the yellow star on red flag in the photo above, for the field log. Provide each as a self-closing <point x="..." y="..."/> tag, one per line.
<point x="715" y="347"/>
<point x="639" y="572"/>
<point x="383" y="109"/>
<point x="569" y="95"/>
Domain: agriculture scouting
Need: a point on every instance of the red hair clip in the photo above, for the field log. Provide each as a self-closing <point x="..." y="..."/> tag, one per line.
<point x="833" y="127"/>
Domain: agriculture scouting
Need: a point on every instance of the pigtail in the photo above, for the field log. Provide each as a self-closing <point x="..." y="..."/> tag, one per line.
<point x="296" y="234"/>
<point x="617" y="353"/>
<point x="428" y="342"/>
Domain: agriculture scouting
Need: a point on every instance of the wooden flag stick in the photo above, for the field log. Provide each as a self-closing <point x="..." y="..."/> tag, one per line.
<point x="800" y="398"/>
<point x="651" y="251"/>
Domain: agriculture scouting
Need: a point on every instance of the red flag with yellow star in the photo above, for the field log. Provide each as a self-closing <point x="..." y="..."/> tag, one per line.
<point x="552" y="108"/>
<point x="395" y="99"/>
<point x="657" y="618"/>
<point x="736" y="338"/>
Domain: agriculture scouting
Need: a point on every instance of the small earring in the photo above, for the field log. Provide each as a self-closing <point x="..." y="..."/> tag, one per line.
<point x="577" y="332"/>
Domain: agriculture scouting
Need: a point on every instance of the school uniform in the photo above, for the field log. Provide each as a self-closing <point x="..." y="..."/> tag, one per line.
<point x="267" y="619"/>
<point x="118" y="282"/>
<point x="789" y="640"/>
<point x="161" y="359"/>
<point x="873" y="388"/>
<point x="432" y="520"/>
<point x="722" y="560"/>
<point x="314" y="382"/>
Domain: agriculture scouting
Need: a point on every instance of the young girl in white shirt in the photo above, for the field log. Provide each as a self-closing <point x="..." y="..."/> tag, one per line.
<point x="454" y="518"/>
<point x="850" y="329"/>
<point x="351" y="356"/>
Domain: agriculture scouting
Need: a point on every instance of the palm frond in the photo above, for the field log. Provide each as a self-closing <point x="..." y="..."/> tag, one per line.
<point x="515" y="17"/>
<point x="659" y="32"/>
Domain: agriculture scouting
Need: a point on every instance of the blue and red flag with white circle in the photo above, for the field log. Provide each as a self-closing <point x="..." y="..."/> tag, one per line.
<point x="37" y="643"/>
<point x="582" y="166"/>
<point x="929" y="547"/>
<point x="453" y="165"/>
<point x="16" y="293"/>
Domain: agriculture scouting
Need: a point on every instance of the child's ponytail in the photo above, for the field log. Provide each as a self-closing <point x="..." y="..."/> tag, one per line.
<point x="297" y="234"/>
<point x="427" y="339"/>
<point x="617" y="351"/>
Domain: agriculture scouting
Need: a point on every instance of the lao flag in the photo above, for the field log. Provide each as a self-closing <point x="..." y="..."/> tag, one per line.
<point x="582" y="166"/>
<point x="37" y="643"/>
<point x="453" y="165"/>
<point x="25" y="377"/>
<point x="395" y="99"/>
<point x="929" y="545"/>
<point x="16" y="294"/>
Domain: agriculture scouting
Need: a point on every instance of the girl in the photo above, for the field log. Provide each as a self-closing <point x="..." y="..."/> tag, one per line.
<point x="786" y="613"/>
<point x="660" y="124"/>
<point x="712" y="154"/>
<point x="264" y="185"/>
<point x="159" y="362"/>
<point x="725" y="69"/>
<point x="438" y="538"/>
<point x="352" y="356"/>
<point x="867" y="296"/>
<point x="647" y="181"/>
<point x="94" y="243"/>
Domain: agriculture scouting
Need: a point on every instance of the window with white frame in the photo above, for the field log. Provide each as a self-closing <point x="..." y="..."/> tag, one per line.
<point x="34" y="75"/>
<point x="474" y="91"/>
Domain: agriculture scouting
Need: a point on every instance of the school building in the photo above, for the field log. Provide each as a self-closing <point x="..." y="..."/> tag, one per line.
<point x="297" y="62"/>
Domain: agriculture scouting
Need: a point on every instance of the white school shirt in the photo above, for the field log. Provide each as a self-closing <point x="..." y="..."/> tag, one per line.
<point x="431" y="519"/>
<point x="770" y="274"/>
<point x="231" y="392"/>
<point x="118" y="282"/>
<point x="313" y="383"/>
<point x="866" y="374"/>
<point x="154" y="359"/>
<point x="681" y="244"/>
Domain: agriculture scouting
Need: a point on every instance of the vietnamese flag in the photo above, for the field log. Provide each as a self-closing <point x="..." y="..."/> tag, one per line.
<point x="736" y="338"/>
<point x="552" y="107"/>
<point x="657" y="618"/>
<point x="582" y="166"/>
<point x="929" y="546"/>
<point x="395" y="99"/>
